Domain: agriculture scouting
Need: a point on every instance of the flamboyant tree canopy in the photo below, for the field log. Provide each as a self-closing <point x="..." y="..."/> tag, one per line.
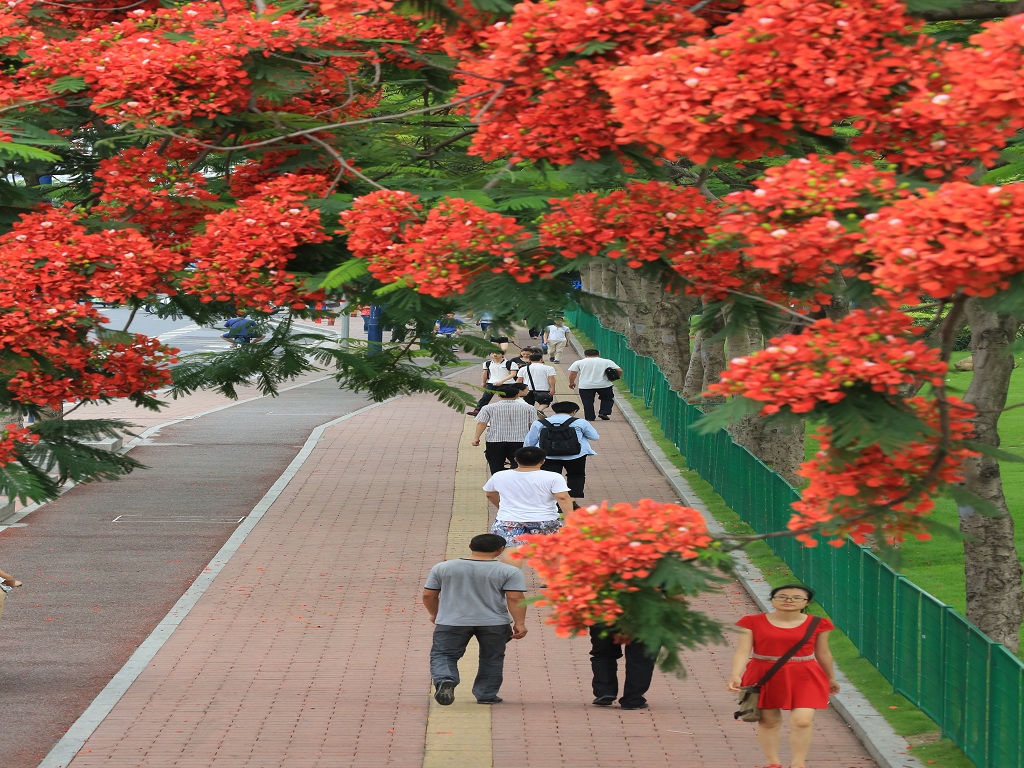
<point x="776" y="158"/>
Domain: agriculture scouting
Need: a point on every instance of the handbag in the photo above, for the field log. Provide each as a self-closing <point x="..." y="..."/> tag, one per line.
<point x="749" y="711"/>
<point x="612" y="374"/>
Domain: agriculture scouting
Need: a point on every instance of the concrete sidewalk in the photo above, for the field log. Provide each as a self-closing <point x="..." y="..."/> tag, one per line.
<point x="305" y="645"/>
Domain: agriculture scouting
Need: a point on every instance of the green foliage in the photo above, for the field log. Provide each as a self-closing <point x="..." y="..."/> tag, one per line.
<point x="61" y="456"/>
<point x="659" y="614"/>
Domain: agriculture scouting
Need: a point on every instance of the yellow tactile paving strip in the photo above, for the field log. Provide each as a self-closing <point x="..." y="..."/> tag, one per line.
<point x="460" y="734"/>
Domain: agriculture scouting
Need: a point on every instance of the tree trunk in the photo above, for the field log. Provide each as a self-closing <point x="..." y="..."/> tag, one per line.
<point x="995" y="600"/>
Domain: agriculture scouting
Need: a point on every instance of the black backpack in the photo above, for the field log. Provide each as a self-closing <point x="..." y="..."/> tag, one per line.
<point x="559" y="439"/>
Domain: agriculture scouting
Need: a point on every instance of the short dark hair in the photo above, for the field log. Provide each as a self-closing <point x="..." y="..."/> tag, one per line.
<point x="520" y="386"/>
<point x="591" y="353"/>
<point x="536" y="357"/>
<point x="530" y="456"/>
<point x="565" y="406"/>
<point x="487" y="542"/>
<point x="808" y="590"/>
<point x="508" y="391"/>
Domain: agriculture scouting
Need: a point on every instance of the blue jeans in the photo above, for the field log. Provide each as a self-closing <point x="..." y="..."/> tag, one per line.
<point x="449" y="646"/>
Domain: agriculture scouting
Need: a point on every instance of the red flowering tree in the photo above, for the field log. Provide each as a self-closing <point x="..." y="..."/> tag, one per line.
<point x="771" y="162"/>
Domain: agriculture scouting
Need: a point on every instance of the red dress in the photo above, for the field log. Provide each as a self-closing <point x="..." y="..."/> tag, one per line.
<point x="798" y="683"/>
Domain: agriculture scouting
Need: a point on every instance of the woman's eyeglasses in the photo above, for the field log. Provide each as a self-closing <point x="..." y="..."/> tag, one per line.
<point x="789" y="599"/>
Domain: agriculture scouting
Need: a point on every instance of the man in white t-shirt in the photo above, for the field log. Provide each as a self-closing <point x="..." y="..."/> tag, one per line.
<point x="494" y="372"/>
<point x="589" y="374"/>
<point x="556" y="336"/>
<point x="538" y="377"/>
<point x="528" y="500"/>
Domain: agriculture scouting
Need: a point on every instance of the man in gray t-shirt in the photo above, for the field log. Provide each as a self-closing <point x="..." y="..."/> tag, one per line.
<point x="476" y="596"/>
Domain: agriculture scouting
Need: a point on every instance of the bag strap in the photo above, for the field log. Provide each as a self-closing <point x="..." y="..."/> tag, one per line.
<point x="546" y="423"/>
<point x="814" y="622"/>
<point x="529" y="375"/>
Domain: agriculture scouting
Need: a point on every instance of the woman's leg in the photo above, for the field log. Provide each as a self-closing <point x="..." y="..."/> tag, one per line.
<point x="768" y="734"/>
<point x="801" y="721"/>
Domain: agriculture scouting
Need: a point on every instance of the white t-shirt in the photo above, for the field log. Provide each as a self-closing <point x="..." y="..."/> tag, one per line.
<point x="557" y="333"/>
<point x="591" y="372"/>
<point x="540" y="374"/>
<point x="498" y="371"/>
<point x="526" y="497"/>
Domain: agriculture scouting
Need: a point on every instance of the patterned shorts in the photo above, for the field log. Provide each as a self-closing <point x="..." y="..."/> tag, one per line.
<point x="511" y="531"/>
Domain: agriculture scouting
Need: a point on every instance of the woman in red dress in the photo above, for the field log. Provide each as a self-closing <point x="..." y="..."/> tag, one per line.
<point x="804" y="682"/>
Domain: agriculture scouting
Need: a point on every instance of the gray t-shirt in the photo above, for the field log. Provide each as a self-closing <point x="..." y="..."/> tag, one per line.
<point x="473" y="591"/>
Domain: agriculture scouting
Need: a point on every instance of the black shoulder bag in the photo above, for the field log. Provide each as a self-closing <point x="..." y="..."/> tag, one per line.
<point x="749" y="711"/>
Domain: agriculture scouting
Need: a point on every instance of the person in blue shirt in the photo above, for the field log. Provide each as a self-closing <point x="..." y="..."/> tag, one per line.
<point x="242" y="329"/>
<point x="575" y="465"/>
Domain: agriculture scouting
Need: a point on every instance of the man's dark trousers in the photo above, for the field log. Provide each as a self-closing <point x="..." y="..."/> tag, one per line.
<point x="604" y="662"/>
<point x="607" y="395"/>
<point x="498" y="453"/>
<point x="575" y="473"/>
<point x="449" y="646"/>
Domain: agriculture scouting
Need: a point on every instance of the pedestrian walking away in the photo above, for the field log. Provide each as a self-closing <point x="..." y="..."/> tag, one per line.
<point x="528" y="499"/>
<point x="507" y="423"/>
<point x="447" y="326"/>
<point x="590" y="375"/>
<point x="494" y="372"/>
<point x="606" y="648"/>
<point x="538" y="377"/>
<point x="565" y="441"/>
<point x="800" y="684"/>
<point x="476" y="596"/>
<point x="8" y="582"/>
<point x="556" y="336"/>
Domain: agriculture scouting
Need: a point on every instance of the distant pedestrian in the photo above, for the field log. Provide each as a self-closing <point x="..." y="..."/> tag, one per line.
<point x="572" y="454"/>
<point x="538" y="377"/>
<point x="494" y="372"/>
<point x="364" y="312"/>
<point x="606" y="648"/>
<point x="7" y="583"/>
<point x="447" y="326"/>
<point x="474" y="596"/>
<point x="591" y="376"/>
<point x="507" y="422"/>
<point x="801" y="685"/>
<point x="556" y="336"/>
<point x="242" y="329"/>
<point x="528" y="499"/>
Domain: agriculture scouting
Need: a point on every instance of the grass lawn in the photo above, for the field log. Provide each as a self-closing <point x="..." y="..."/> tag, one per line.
<point x="937" y="566"/>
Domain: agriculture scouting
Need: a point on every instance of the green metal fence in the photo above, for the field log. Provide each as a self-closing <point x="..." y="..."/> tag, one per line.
<point x="972" y="687"/>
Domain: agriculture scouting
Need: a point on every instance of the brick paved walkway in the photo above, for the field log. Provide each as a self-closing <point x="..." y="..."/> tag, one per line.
<point x="309" y="649"/>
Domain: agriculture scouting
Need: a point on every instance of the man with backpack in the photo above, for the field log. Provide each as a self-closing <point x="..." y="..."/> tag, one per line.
<point x="495" y="371"/>
<point x="565" y="441"/>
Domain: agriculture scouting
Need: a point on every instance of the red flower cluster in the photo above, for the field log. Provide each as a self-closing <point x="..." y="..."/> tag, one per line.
<point x="10" y="438"/>
<point x="152" y="191"/>
<point x="47" y="339"/>
<point x="243" y="254"/>
<point x="441" y="252"/>
<point x="642" y="222"/>
<point x="605" y="551"/>
<point x="779" y="65"/>
<point x="844" y="483"/>
<point x="820" y="365"/>
<point x="541" y="68"/>
<point x="958" y="239"/>
<point x="789" y="228"/>
<point x="49" y="256"/>
<point x="96" y="371"/>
